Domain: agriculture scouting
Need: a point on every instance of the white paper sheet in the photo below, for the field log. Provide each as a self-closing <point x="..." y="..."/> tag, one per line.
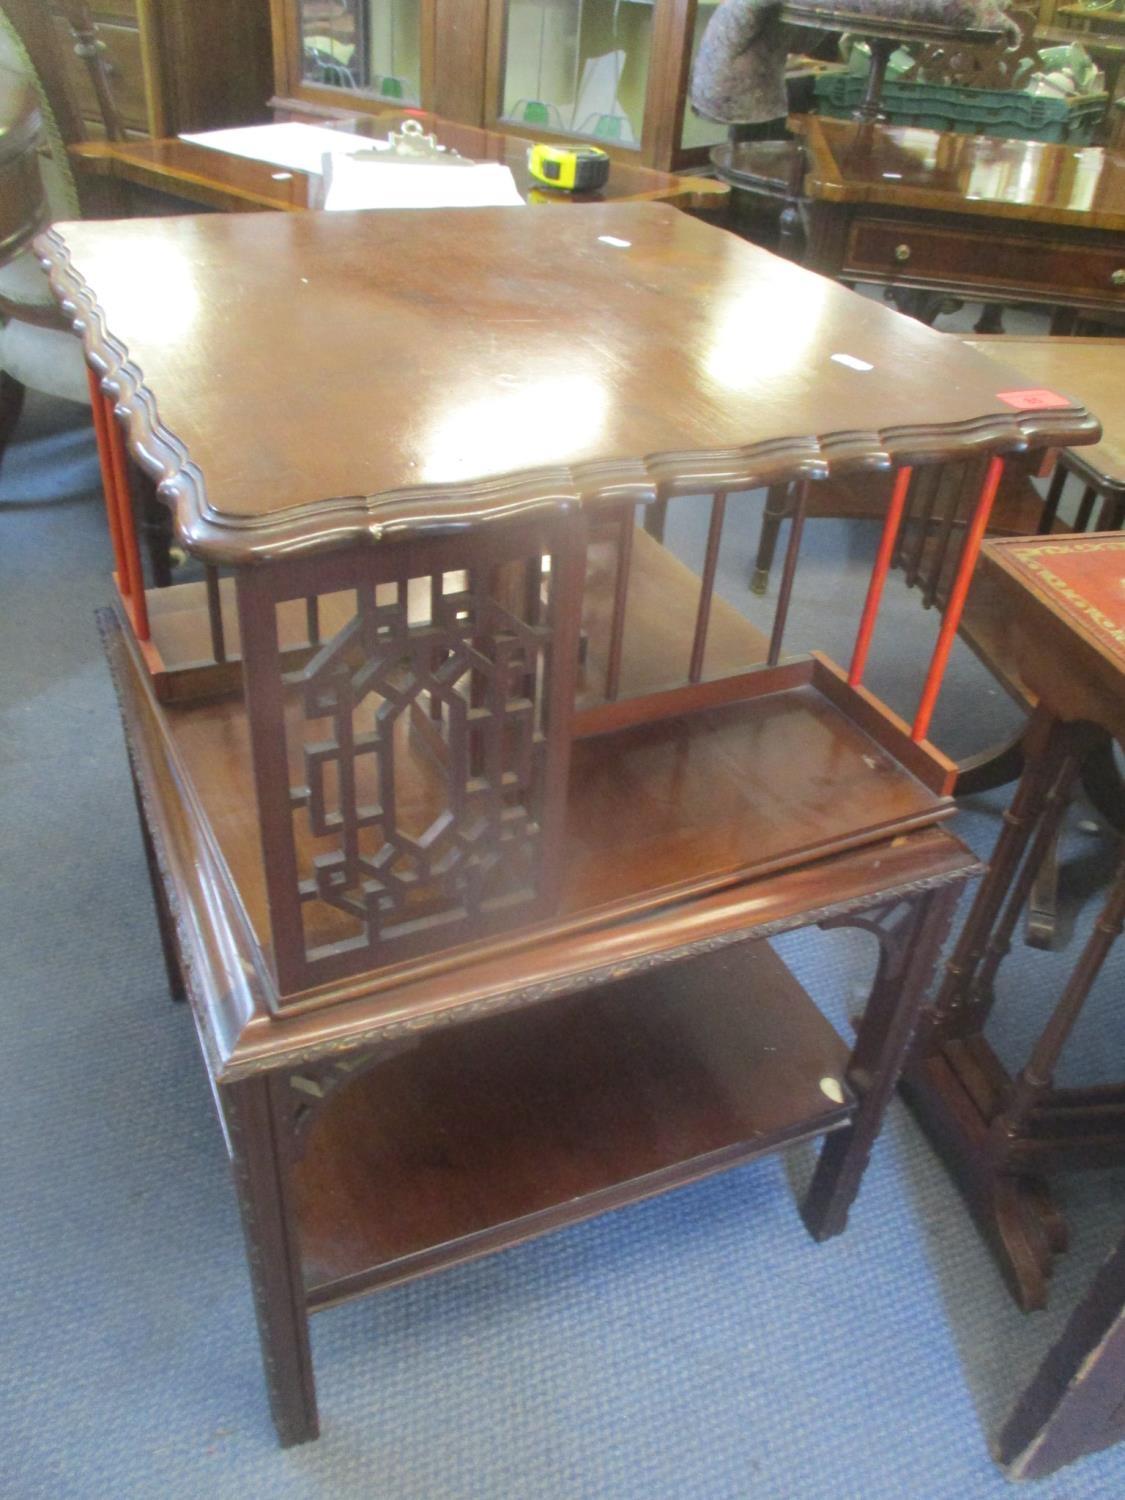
<point x="396" y="184"/>
<point x="597" y="94"/>
<point x="297" y="148"/>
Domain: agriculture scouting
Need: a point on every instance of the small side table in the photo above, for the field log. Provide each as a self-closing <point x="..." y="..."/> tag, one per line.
<point x="883" y="34"/>
<point x="1000" y="1136"/>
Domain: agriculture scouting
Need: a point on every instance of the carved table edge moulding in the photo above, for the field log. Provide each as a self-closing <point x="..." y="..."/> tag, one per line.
<point x="336" y="520"/>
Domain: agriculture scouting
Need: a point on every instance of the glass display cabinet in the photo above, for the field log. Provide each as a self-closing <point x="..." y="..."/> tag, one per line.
<point x="578" y="67"/>
<point x="373" y="45"/>
<point x="610" y="72"/>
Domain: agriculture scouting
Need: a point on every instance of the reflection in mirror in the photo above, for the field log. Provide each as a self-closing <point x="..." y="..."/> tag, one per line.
<point x="579" y="67"/>
<point x="369" y="45"/>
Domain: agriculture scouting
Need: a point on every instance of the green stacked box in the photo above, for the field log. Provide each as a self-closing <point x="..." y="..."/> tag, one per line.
<point x="1001" y="112"/>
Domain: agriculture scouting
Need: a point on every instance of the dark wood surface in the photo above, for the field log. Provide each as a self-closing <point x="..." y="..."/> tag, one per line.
<point x="661" y="344"/>
<point x="973" y="215"/>
<point x="216" y="179"/>
<point x="758" y="785"/>
<point x="904" y="166"/>
<point x="486" y="1135"/>
<point x="241" y="1034"/>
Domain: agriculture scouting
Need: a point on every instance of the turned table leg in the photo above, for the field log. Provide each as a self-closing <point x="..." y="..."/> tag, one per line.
<point x="777" y="508"/>
<point x="956" y="1086"/>
<point x="1035" y="1077"/>
<point x="259" y="1159"/>
<point x="881" y="1045"/>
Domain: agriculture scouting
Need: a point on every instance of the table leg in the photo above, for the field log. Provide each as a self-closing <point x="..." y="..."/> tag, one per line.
<point x="1035" y="1077"/>
<point x="881" y="1045"/>
<point x="1043" y="747"/>
<point x="776" y="509"/>
<point x="257" y="1126"/>
<point x="956" y="1086"/>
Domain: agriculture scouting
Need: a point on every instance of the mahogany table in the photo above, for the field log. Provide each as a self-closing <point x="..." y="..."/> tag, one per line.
<point x="468" y="806"/>
<point x="1062" y="600"/>
<point x="219" y="180"/>
<point x="966" y="215"/>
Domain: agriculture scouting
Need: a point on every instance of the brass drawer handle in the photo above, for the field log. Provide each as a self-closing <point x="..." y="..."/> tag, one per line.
<point x="1118" y="277"/>
<point x="902" y="252"/>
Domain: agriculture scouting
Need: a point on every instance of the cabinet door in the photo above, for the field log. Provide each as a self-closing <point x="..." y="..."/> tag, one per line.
<point x="371" y="47"/>
<point x="609" y="72"/>
<point x="578" y="68"/>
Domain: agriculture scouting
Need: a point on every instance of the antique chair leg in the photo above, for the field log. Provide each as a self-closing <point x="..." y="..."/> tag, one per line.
<point x="777" y="508"/>
<point x="881" y="1045"/>
<point x="259" y="1160"/>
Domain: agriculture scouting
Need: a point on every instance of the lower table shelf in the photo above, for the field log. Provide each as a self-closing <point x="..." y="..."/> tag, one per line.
<point x="482" y="1136"/>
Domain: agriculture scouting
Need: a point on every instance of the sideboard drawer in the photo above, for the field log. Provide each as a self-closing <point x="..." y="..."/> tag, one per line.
<point x="125" y="67"/>
<point x="1023" y="258"/>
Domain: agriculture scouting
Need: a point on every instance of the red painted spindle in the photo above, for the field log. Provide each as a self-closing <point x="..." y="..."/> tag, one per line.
<point x="879" y="576"/>
<point x="957" y="596"/>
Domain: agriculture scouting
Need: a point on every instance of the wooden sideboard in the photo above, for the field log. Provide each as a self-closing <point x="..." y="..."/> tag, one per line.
<point x="173" y="64"/>
<point x="971" y="216"/>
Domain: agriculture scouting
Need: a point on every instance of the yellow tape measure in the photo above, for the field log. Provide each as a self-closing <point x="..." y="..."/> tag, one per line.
<point x="574" y="169"/>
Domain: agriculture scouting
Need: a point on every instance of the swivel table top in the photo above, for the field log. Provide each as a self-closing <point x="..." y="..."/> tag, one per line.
<point x="298" y="381"/>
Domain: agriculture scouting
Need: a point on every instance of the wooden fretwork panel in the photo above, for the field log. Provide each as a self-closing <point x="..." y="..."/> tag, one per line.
<point x="411" y="774"/>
